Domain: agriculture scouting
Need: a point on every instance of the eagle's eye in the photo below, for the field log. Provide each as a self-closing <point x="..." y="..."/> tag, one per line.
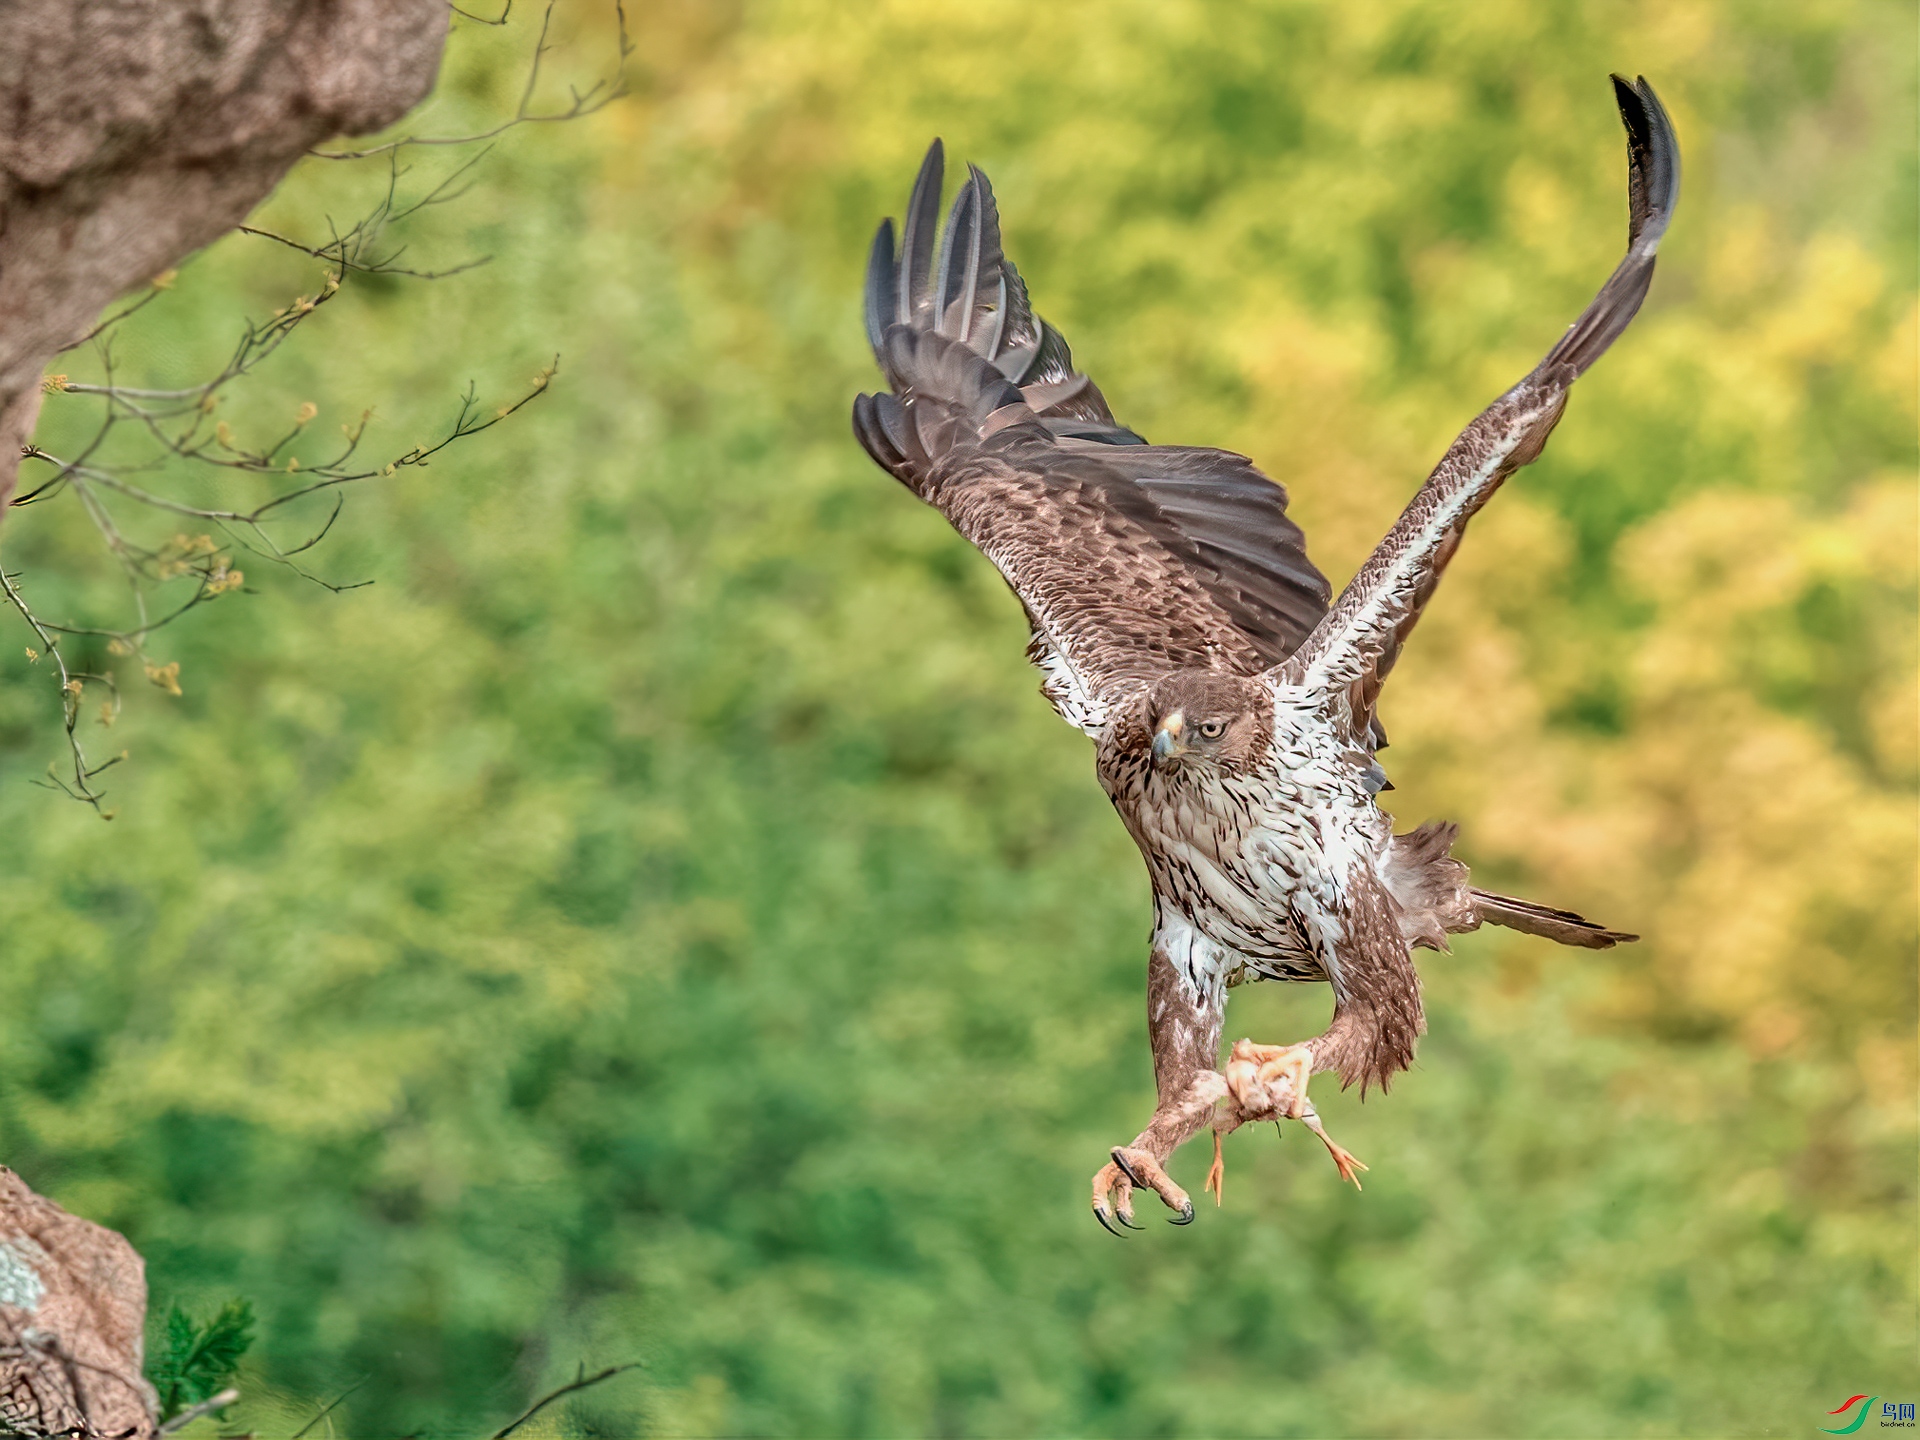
<point x="1212" y="729"/>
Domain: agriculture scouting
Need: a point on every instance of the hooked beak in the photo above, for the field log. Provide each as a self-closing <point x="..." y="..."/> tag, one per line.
<point x="1167" y="742"/>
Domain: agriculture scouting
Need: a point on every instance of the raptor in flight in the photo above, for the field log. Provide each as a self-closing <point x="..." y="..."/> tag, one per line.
<point x="1178" y="622"/>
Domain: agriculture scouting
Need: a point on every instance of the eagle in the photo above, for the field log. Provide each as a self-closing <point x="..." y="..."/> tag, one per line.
<point x="1231" y="699"/>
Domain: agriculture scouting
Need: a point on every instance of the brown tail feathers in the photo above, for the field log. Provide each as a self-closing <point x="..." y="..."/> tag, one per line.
<point x="1561" y="926"/>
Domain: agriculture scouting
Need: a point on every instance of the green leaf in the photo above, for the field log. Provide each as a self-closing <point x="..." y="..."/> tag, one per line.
<point x="194" y="1361"/>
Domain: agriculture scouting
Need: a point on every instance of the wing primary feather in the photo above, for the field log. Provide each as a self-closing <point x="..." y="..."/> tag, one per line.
<point x="1653" y="189"/>
<point x="916" y="241"/>
<point x="882" y="277"/>
<point x="979" y="198"/>
<point x="865" y="431"/>
<point x="954" y="246"/>
<point x="893" y="423"/>
<point x="1015" y="360"/>
<point x="995" y="269"/>
<point x="870" y="431"/>
<point x="1019" y="330"/>
<point x="998" y="325"/>
<point x="1653" y="160"/>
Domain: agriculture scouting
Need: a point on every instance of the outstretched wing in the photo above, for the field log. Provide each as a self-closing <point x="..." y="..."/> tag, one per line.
<point x="1354" y="647"/>
<point x="1111" y="589"/>
<point x="1131" y="559"/>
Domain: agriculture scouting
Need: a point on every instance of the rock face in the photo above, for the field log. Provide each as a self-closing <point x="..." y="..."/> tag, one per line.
<point x="73" y="1311"/>
<point x="135" y="131"/>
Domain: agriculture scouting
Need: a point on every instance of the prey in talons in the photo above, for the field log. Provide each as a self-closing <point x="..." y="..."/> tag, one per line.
<point x="1267" y="1082"/>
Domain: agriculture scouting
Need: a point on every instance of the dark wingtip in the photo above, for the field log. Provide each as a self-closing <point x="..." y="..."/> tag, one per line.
<point x="1653" y="189"/>
<point x="959" y="250"/>
<point x="866" y="429"/>
<point x="877" y="426"/>
<point x="882" y="303"/>
<point x="991" y="260"/>
<point x="1653" y="161"/>
<point x="916" y="238"/>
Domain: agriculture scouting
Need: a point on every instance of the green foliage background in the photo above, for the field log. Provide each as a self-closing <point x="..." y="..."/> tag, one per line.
<point x="658" y="919"/>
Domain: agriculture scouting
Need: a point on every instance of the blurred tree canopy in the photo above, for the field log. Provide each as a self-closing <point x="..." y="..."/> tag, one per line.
<point x="657" y="920"/>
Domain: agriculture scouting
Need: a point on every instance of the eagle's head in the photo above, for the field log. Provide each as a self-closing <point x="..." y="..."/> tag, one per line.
<point x="1201" y="719"/>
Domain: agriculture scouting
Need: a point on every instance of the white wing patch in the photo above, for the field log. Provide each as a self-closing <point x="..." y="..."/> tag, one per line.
<point x="1064" y="688"/>
<point x="1338" y="662"/>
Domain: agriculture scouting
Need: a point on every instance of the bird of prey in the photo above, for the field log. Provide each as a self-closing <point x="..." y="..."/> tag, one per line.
<point x="1177" y="620"/>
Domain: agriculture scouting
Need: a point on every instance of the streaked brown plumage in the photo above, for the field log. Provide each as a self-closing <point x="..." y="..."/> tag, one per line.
<point x="1178" y="622"/>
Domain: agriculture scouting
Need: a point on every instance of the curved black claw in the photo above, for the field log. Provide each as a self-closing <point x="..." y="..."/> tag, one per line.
<point x="1107" y="1225"/>
<point x="1127" y="1170"/>
<point x="1186" y="1215"/>
<point x="1121" y="1216"/>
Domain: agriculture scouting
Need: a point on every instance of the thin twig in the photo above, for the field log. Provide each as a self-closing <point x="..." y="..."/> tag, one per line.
<point x="595" y="97"/>
<point x="181" y="424"/>
<point x="581" y="1381"/>
<point x="153" y="293"/>
<point x="194" y="1412"/>
<point x="325" y="476"/>
<point x="330" y="252"/>
<point x="328" y="1408"/>
<point x="353" y="250"/>
<point x="71" y="688"/>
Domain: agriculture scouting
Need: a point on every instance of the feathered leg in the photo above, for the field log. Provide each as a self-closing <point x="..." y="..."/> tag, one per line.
<point x="1185" y="1032"/>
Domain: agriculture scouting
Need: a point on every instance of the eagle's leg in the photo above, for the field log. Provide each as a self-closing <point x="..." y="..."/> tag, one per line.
<point x="1185" y="1031"/>
<point x="1143" y="1163"/>
<point x="1344" y="1160"/>
<point x="1268" y="1081"/>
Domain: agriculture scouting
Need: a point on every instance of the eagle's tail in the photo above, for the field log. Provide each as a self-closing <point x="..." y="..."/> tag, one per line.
<point x="1434" y="900"/>
<point x="1561" y="926"/>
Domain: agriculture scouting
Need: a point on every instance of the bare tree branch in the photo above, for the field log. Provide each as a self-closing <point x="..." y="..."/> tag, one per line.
<point x="597" y="96"/>
<point x="136" y="134"/>
<point x="172" y="426"/>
